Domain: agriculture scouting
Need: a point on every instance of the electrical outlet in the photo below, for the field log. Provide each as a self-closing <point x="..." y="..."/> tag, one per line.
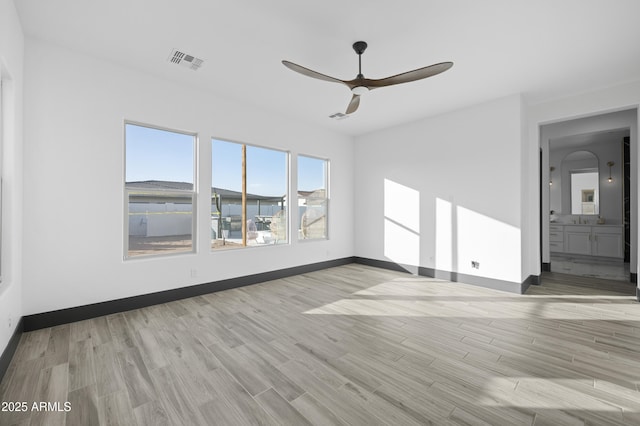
<point x="9" y="322"/>
<point x="475" y="264"/>
<point x="194" y="273"/>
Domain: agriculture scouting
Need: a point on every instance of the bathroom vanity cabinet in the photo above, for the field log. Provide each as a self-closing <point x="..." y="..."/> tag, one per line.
<point x="587" y="240"/>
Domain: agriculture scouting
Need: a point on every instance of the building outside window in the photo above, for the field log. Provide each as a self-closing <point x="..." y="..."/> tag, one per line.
<point x="313" y="198"/>
<point x="249" y="195"/>
<point x="159" y="191"/>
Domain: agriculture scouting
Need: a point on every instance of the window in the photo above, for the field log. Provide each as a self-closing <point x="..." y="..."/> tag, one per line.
<point x="159" y="191"/>
<point x="248" y="197"/>
<point x="313" y="198"/>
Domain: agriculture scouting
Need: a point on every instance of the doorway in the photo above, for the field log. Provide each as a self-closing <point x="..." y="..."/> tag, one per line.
<point x="586" y="230"/>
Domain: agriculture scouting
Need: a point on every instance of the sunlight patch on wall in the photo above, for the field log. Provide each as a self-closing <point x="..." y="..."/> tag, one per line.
<point x="401" y="223"/>
<point x="495" y="245"/>
<point x="402" y="205"/>
<point x="444" y="236"/>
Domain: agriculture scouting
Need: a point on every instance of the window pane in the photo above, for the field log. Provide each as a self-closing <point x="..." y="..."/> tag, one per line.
<point x="312" y="174"/>
<point x="266" y="188"/>
<point x="159" y="223"/>
<point x="155" y="154"/>
<point x="312" y="198"/>
<point x="159" y="181"/>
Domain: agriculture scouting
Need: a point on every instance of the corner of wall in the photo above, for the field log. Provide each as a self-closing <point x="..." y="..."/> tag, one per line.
<point x="11" y="138"/>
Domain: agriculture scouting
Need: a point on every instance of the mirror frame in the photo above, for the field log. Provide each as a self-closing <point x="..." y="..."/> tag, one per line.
<point x="591" y="165"/>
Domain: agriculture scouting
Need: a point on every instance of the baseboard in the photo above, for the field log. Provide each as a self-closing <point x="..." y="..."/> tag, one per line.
<point x="385" y="264"/>
<point x="79" y="313"/>
<point x="7" y="354"/>
<point x="509" y="286"/>
<point x="531" y="280"/>
<point x="495" y="284"/>
<point x="546" y="266"/>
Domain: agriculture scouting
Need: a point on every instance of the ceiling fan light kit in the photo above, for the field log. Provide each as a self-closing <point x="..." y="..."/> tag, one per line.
<point x="361" y="85"/>
<point x="360" y="90"/>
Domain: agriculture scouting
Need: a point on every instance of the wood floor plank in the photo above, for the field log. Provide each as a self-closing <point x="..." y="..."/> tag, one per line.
<point x="241" y="369"/>
<point x="381" y="407"/>
<point x="80" y="330"/>
<point x="23" y="387"/>
<point x="200" y="325"/>
<point x="84" y="407"/>
<point x="198" y="388"/>
<point x="242" y="409"/>
<point x="52" y="388"/>
<point x="81" y="365"/>
<point x="8" y="375"/>
<point x="136" y="377"/>
<point x="343" y="404"/>
<point x="107" y="369"/>
<point x="120" y="332"/>
<point x="315" y="412"/>
<point x="418" y="405"/>
<point x="346" y="345"/>
<point x="467" y="398"/>
<point x="150" y="348"/>
<point x="180" y="409"/>
<point x="278" y="407"/>
<point x="151" y="413"/>
<point x="100" y="332"/>
<point x="57" y="351"/>
<point x="269" y="373"/>
<point x="114" y="409"/>
<point x="33" y="344"/>
<point x="320" y="369"/>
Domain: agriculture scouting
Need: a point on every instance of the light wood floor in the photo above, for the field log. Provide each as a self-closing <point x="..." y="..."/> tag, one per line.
<point x="349" y="345"/>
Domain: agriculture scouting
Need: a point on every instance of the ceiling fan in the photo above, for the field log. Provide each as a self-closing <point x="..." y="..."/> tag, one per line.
<point x="361" y="85"/>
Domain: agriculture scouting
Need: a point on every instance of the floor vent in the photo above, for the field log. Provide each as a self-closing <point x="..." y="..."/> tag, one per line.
<point x="189" y="61"/>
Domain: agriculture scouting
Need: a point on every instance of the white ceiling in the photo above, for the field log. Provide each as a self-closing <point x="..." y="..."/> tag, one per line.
<point x="542" y="48"/>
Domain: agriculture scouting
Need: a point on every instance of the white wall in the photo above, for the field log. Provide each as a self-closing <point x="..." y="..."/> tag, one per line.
<point x="444" y="191"/>
<point x="74" y="150"/>
<point x="11" y="69"/>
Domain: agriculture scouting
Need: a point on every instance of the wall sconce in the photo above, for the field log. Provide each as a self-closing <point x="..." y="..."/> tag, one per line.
<point x="610" y="163"/>
<point x="551" y="169"/>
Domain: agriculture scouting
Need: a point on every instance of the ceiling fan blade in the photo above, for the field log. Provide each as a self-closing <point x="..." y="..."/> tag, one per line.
<point x="310" y="73"/>
<point x="408" y="76"/>
<point x="354" y="104"/>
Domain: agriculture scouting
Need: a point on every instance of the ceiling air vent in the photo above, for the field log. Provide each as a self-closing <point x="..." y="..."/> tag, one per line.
<point x="338" y="116"/>
<point x="189" y="61"/>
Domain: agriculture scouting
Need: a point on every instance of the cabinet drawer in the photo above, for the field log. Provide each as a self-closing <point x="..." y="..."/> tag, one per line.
<point x="556" y="228"/>
<point x="615" y="230"/>
<point x="556" y="236"/>
<point x="556" y="246"/>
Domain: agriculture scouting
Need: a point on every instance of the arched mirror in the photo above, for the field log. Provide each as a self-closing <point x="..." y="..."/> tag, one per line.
<point x="581" y="167"/>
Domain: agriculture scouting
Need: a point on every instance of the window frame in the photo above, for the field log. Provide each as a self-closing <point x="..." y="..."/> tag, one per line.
<point x="161" y="193"/>
<point x="287" y="197"/>
<point x="327" y="197"/>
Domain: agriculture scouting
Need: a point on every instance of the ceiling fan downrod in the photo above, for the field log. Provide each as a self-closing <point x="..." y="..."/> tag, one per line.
<point x="360" y="47"/>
